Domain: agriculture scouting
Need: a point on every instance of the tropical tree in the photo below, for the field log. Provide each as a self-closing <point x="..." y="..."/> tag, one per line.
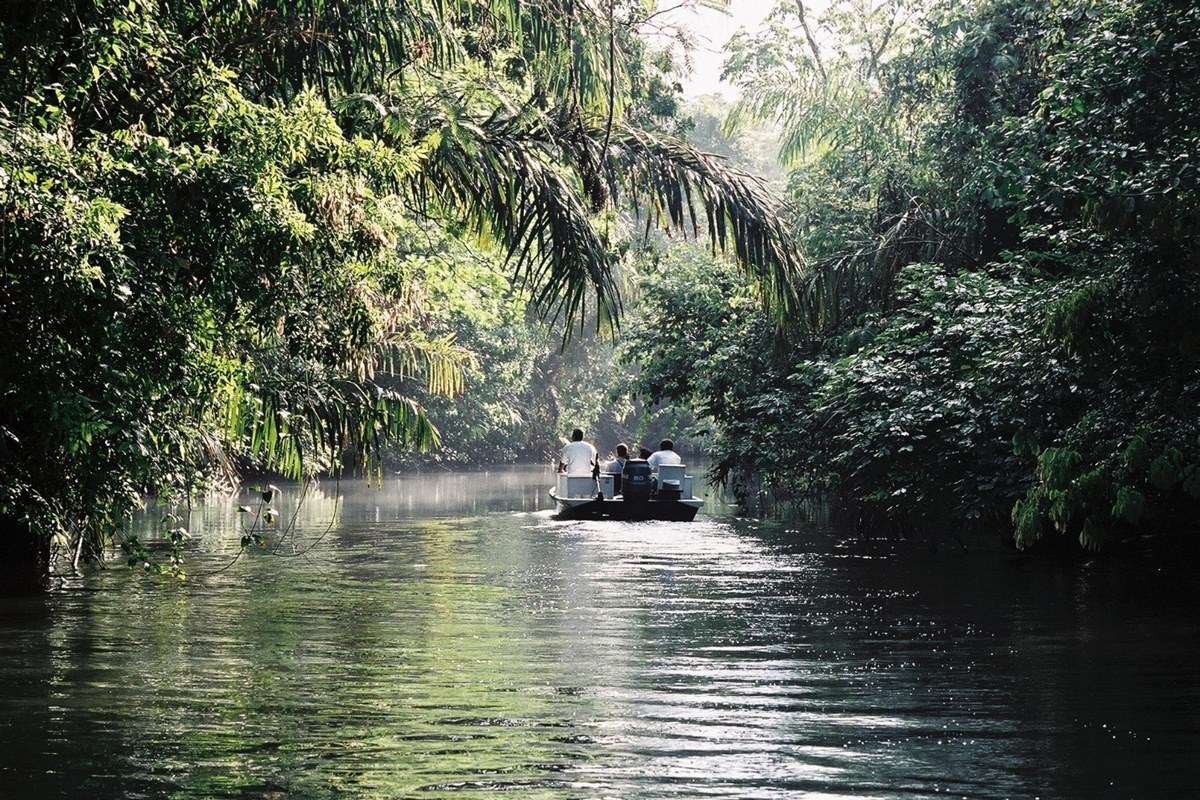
<point x="999" y="221"/>
<point x="210" y="211"/>
<point x="849" y="89"/>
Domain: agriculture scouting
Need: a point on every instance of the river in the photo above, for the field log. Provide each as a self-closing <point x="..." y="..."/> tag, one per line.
<point x="443" y="636"/>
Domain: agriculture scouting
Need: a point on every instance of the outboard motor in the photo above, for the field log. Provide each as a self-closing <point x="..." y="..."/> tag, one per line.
<point x="636" y="481"/>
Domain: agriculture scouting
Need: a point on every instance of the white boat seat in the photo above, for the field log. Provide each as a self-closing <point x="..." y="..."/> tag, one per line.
<point x="671" y="472"/>
<point x="576" y="485"/>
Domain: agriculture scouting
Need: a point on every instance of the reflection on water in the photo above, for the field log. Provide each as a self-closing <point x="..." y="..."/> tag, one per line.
<point x="445" y="637"/>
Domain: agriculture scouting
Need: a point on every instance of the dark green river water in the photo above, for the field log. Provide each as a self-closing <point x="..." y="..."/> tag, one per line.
<point x="447" y="638"/>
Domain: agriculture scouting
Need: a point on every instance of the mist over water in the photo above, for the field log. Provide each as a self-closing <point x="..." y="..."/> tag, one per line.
<point x="443" y="636"/>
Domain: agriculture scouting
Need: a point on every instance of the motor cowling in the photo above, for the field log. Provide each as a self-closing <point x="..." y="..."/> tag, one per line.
<point x="636" y="481"/>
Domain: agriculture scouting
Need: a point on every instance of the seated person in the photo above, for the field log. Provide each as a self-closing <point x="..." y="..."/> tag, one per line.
<point x="666" y="455"/>
<point x="577" y="457"/>
<point x="643" y="453"/>
<point x="617" y="465"/>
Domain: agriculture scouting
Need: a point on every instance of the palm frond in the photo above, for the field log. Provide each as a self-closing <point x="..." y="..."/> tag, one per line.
<point x="668" y="179"/>
<point x="863" y="274"/>
<point x="506" y="182"/>
<point x="521" y="178"/>
<point x="812" y="114"/>
<point x="440" y="361"/>
<point x="500" y="177"/>
<point x="301" y="430"/>
<point x="345" y="46"/>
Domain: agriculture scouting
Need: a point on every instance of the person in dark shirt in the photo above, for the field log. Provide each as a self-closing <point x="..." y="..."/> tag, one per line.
<point x="617" y="465"/>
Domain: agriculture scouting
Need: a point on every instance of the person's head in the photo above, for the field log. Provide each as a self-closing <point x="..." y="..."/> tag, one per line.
<point x="666" y="444"/>
<point x="577" y="435"/>
<point x="622" y="451"/>
<point x="644" y="452"/>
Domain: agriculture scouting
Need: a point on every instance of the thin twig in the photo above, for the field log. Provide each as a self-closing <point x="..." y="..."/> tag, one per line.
<point x="337" y="495"/>
<point x="612" y="79"/>
<point x="812" y="42"/>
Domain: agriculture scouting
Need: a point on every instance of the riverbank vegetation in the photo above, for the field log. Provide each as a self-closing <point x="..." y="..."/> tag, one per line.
<point x="998" y="204"/>
<point x="301" y="237"/>
<point x="235" y="234"/>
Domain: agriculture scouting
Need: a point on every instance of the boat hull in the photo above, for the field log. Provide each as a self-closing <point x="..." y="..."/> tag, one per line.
<point x="619" y="509"/>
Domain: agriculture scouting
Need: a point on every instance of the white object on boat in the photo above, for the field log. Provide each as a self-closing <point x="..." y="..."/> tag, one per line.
<point x="668" y="473"/>
<point x="607" y="485"/>
<point x="576" y="486"/>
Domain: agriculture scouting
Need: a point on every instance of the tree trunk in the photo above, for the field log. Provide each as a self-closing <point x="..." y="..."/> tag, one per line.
<point x="24" y="559"/>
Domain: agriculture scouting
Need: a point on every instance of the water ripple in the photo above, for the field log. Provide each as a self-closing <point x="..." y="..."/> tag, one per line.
<point x="447" y="638"/>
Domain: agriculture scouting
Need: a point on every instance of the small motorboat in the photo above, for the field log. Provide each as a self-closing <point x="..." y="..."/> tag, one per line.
<point x="637" y="494"/>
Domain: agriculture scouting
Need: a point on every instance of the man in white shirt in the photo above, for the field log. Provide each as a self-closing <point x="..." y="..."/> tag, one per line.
<point x="577" y="457"/>
<point x="665" y="455"/>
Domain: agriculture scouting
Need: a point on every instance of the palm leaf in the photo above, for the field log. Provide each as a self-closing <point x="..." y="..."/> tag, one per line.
<point x="345" y="46"/>
<point x="668" y="179"/>
<point x="519" y="177"/>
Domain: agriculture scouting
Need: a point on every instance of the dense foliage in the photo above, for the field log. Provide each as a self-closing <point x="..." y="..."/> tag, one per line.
<point x="524" y="389"/>
<point x="224" y="231"/>
<point x="998" y="204"/>
<point x="293" y="237"/>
